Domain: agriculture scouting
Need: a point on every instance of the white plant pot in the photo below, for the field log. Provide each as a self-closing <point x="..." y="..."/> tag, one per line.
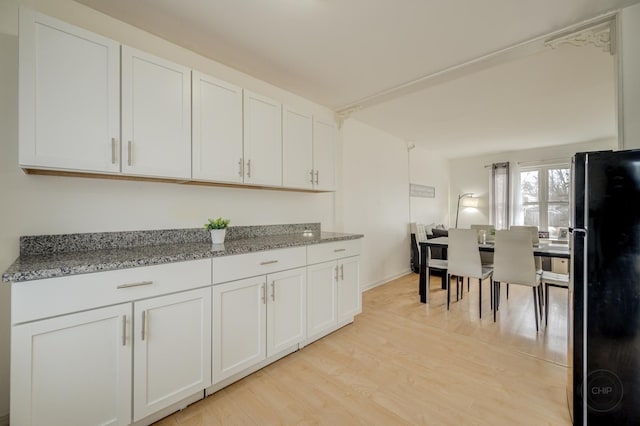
<point x="217" y="236"/>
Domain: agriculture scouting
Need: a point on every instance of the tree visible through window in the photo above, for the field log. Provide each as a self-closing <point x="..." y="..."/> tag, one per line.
<point x="545" y="197"/>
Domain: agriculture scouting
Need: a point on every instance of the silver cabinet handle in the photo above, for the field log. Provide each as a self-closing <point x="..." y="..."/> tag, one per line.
<point x="249" y="168"/>
<point x="124" y="330"/>
<point x="113" y="150"/>
<point x="339" y="250"/>
<point x="317" y="177"/>
<point x="311" y="174"/>
<point x="240" y="165"/>
<point x="273" y="291"/>
<point x="336" y="275"/>
<point x="268" y="262"/>
<point x="264" y="294"/>
<point x="129" y="152"/>
<point x="144" y="323"/>
<point x="342" y="272"/>
<point x="141" y="283"/>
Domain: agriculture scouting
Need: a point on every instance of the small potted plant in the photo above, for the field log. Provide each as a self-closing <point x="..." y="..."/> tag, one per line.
<point x="218" y="229"/>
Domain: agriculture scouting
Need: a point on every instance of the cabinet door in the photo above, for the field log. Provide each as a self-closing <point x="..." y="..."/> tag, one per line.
<point x="321" y="297"/>
<point x="239" y="313"/>
<point x="262" y="140"/>
<point x="69" y="89"/>
<point x="349" y="295"/>
<point x="286" y="309"/>
<point x="156" y="116"/>
<point x="172" y="355"/>
<point x="297" y="149"/>
<point x="73" y="370"/>
<point x="324" y="149"/>
<point x="217" y="130"/>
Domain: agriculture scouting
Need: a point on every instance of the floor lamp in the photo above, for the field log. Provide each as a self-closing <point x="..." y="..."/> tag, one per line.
<point x="468" y="203"/>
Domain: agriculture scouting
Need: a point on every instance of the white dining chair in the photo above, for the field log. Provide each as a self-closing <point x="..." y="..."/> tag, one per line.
<point x="514" y="264"/>
<point x="464" y="261"/>
<point x="535" y="240"/>
<point x="552" y="279"/>
<point x="486" y="257"/>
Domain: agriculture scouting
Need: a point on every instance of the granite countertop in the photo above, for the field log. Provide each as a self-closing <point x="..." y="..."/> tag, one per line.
<point x="55" y="262"/>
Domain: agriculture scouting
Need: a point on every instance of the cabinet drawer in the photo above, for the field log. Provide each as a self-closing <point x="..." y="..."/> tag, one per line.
<point x="331" y="251"/>
<point x="229" y="268"/>
<point x="57" y="296"/>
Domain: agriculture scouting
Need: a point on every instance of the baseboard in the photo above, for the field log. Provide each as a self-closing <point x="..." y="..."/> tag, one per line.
<point x="4" y="420"/>
<point x="369" y="286"/>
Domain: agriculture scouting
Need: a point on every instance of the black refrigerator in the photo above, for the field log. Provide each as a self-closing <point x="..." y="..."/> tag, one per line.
<point x="604" y="292"/>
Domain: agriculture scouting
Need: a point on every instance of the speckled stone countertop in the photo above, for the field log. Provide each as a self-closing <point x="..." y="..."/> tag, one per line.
<point x="61" y="255"/>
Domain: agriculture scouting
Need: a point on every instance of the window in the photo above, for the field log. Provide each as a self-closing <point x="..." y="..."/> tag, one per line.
<point x="544" y="197"/>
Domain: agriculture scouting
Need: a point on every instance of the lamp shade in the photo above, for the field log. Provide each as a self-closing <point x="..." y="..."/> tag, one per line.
<point x="470" y="202"/>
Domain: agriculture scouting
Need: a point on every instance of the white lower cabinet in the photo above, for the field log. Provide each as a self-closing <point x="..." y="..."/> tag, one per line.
<point x="334" y="295"/>
<point x="286" y="313"/>
<point x="73" y="370"/>
<point x="256" y="318"/>
<point x="349" y="296"/>
<point x="322" y="288"/>
<point x="239" y="330"/>
<point x="172" y="349"/>
<point x="166" y="334"/>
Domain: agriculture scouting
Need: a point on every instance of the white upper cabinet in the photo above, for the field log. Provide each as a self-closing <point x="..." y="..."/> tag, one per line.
<point x="156" y="116"/>
<point x="262" y="140"/>
<point x="217" y="130"/>
<point x="69" y="96"/>
<point x="324" y="148"/>
<point x="297" y="149"/>
<point x="90" y="104"/>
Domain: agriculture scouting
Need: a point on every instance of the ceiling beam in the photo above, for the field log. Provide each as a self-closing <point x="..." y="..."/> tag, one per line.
<point x="521" y="50"/>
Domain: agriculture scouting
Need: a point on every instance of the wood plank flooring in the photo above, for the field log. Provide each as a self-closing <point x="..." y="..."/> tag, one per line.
<point x="402" y="362"/>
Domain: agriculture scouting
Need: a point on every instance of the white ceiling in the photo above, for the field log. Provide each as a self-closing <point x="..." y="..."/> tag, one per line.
<point x="341" y="52"/>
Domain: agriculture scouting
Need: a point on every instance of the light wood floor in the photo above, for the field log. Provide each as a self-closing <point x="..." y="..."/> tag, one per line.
<point x="402" y="362"/>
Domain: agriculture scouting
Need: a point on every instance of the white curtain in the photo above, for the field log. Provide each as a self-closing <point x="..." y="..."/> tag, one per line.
<point x="499" y="195"/>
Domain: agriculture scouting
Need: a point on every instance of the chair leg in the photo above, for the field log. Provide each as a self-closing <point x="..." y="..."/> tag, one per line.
<point x="448" y="290"/>
<point x="546" y="304"/>
<point x="468" y="289"/>
<point x="479" y="297"/>
<point x="496" y="286"/>
<point x="507" y="291"/>
<point x="540" y="301"/>
<point x="457" y="288"/>
<point x="535" y="303"/>
<point x="491" y="291"/>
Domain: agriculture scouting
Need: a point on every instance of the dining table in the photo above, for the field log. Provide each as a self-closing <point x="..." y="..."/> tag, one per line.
<point x="548" y="249"/>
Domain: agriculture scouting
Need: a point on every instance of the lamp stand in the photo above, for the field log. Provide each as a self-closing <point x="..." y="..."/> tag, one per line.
<point x="460" y="197"/>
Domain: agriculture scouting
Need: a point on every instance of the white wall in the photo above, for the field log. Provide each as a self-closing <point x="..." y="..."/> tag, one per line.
<point x="375" y="199"/>
<point x="629" y="78"/>
<point x="427" y="168"/>
<point x="471" y="175"/>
